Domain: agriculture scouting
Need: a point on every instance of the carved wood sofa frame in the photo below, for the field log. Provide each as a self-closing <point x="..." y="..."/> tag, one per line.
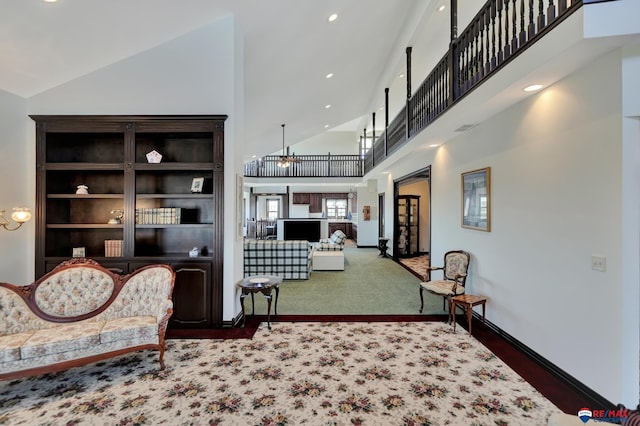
<point x="129" y="315"/>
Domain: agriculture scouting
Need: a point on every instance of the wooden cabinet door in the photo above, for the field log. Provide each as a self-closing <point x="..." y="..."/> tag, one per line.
<point x="315" y="203"/>
<point x="300" y="198"/>
<point x="191" y="296"/>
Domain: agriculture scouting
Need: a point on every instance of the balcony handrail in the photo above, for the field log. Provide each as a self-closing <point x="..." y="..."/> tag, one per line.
<point x="317" y="165"/>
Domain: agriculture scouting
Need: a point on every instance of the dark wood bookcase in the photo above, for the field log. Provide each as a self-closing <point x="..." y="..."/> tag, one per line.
<point x="108" y="154"/>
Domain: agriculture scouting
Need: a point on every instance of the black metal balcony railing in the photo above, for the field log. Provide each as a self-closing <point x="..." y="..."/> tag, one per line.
<point x="500" y="31"/>
<point x="328" y="165"/>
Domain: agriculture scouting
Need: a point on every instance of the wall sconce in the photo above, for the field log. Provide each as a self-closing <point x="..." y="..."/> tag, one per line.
<point x="20" y="215"/>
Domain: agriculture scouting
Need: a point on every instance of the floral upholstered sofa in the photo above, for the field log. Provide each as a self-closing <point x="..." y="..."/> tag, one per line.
<point x="81" y="313"/>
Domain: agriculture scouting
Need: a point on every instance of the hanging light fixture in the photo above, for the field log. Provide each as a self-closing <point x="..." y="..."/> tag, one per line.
<point x="285" y="160"/>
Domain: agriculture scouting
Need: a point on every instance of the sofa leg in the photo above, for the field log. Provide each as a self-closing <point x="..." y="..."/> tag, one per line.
<point x="161" y="359"/>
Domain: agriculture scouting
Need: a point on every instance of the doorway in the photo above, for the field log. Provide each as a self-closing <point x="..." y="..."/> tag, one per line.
<point x="412" y="221"/>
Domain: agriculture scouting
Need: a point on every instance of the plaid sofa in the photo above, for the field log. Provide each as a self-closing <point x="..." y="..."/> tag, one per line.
<point x="334" y="243"/>
<point x="290" y="260"/>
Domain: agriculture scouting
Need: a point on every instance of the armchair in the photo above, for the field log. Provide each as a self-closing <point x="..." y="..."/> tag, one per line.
<point x="334" y="243"/>
<point x="454" y="271"/>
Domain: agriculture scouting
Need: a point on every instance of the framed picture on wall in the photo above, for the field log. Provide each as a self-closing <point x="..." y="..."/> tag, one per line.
<point x="476" y="199"/>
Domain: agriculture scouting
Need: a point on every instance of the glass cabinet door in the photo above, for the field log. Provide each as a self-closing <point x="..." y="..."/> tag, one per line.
<point x="408" y="225"/>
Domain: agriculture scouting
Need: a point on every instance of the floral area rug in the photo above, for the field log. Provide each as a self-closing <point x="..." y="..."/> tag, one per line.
<point x="417" y="373"/>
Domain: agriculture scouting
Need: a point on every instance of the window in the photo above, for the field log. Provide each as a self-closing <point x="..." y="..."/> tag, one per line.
<point x="273" y="208"/>
<point x="336" y="208"/>
<point x="365" y="147"/>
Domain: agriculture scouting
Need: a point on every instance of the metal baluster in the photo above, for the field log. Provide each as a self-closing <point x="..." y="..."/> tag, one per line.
<point x="562" y="6"/>
<point x="433" y="90"/>
<point x="523" y="34"/>
<point x="532" y="25"/>
<point x="507" y="46"/>
<point x="551" y="12"/>
<point x="463" y="63"/>
<point x="474" y="48"/>
<point x="499" y="14"/>
<point x="481" y="47"/>
<point x="486" y="38"/>
<point x="466" y="62"/>
<point x="514" y="22"/>
<point x="493" y="34"/>
<point x="541" y="18"/>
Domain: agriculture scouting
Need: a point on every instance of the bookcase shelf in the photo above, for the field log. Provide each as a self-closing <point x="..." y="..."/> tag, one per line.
<point x="108" y="154"/>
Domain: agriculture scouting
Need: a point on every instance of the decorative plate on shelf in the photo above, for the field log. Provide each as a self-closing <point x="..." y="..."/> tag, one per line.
<point x="154" y="157"/>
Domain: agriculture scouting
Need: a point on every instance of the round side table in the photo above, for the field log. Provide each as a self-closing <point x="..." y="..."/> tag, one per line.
<point x="260" y="284"/>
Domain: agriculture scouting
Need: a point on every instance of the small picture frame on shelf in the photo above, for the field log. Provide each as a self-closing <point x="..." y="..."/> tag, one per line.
<point x="78" y="252"/>
<point x="197" y="184"/>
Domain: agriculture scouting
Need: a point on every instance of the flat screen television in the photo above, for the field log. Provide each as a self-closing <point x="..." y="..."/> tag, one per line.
<point x="302" y="230"/>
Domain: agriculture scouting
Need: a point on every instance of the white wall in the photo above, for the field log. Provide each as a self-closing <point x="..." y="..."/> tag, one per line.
<point x="629" y="313"/>
<point x="557" y="199"/>
<point x="368" y="229"/>
<point x="17" y="177"/>
<point x="233" y="263"/>
<point x="327" y="142"/>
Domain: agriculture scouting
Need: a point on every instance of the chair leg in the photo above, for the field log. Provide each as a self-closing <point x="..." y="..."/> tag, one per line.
<point x="450" y="317"/>
<point x="421" y="299"/>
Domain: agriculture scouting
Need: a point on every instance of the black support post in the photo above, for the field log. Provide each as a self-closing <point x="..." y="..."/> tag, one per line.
<point x="454" y="19"/>
<point x="408" y="51"/>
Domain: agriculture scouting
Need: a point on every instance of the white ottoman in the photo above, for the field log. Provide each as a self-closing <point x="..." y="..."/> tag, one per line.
<point x="328" y="260"/>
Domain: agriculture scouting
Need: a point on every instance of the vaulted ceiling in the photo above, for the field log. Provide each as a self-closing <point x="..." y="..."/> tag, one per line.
<point x="290" y="48"/>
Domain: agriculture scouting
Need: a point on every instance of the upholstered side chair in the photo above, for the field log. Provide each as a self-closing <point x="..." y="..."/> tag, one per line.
<point x="454" y="277"/>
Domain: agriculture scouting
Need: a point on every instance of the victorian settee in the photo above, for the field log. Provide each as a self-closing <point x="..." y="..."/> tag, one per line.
<point x="81" y="313"/>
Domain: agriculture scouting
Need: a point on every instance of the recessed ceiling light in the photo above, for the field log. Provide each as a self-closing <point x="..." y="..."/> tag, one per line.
<point x="327" y="106"/>
<point x="441" y="8"/>
<point x="330" y="75"/>
<point x="50" y="1"/>
<point x="533" y="88"/>
<point x="253" y="156"/>
<point x="433" y="145"/>
<point x="326" y="126"/>
<point x="333" y="17"/>
<point x="401" y="75"/>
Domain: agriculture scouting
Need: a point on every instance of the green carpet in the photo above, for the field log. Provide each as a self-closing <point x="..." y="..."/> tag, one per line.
<point x="369" y="285"/>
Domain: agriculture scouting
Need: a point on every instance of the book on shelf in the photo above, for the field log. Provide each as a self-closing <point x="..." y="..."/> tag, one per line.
<point x="159" y="216"/>
<point x="112" y="248"/>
